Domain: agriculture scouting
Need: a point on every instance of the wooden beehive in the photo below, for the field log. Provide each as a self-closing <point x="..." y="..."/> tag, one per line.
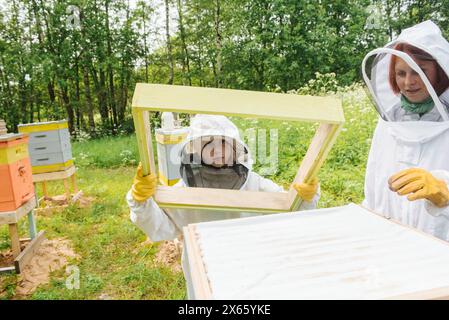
<point x="50" y="148"/>
<point x="15" y="172"/>
<point x="3" y="129"/>
<point x="337" y="253"/>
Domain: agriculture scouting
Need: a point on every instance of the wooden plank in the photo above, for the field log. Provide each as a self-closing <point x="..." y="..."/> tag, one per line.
<point x="10" y="217"/>
<point x="7" y="269"/>
<point x="267" y="105"/>
<point x="58" y="175"/>
<point x="44" y="188"/>
<point x="74" y="185"/>
<point x="317" y="152"/>
<point x="77" y="196"/>
<point x="67" y="189"/>
<point x="15" y="239"/>
<point x="201" y="286"/>
<point x="221" y="199"/>
<point x="24" y="258"/>
<point x="144" y="140"/>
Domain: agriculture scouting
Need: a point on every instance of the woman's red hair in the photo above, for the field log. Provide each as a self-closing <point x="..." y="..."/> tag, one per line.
<point x="442" y="81"/>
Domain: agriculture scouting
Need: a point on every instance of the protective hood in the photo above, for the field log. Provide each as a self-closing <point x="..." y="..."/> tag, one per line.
<point x="376" y="64"/>
<point x="197" y="173"/>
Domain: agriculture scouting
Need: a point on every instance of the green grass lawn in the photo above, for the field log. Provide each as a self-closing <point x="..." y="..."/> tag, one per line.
<point x="114" y="262"/>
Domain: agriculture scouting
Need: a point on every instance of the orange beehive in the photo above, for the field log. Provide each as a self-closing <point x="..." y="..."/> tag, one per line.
<point x="16" y="179"/>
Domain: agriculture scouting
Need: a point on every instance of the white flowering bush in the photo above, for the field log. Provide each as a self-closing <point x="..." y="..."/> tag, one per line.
<point x="128" y="158"/>
<point x="323" y="84"/>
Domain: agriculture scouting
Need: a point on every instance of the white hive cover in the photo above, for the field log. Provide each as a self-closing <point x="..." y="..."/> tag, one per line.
<point x="337" y="253"/>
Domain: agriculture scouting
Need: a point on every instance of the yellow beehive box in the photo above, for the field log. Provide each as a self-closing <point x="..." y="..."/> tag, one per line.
<point x="50" y="149"/>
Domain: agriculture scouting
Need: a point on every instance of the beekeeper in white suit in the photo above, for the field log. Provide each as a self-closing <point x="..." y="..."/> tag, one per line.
<point x="213" y="156"/>
<point x="407" y="173"/>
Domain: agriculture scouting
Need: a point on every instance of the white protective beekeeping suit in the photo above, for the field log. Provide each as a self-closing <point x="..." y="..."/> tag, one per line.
<point x="166" y="224"/>
<point x="401" y="141"/>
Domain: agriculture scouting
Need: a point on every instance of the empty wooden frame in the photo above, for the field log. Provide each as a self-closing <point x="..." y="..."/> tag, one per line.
<point x="277" y="106"/>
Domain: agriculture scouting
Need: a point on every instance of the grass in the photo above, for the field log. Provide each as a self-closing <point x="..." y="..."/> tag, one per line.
<point x="115" y="263"/>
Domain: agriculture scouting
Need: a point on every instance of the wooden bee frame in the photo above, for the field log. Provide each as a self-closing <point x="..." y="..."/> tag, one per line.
<point x="277" y="106"/>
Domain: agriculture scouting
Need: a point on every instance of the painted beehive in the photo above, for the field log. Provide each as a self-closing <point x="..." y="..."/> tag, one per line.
<point x="50" y="148"/>
<point x="335" y="253"/>
<point x="169" y="143"/>
<point x="15" y="172"/>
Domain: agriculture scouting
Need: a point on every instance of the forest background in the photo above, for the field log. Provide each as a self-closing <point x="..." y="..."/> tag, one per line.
<point x="80" y="60"/>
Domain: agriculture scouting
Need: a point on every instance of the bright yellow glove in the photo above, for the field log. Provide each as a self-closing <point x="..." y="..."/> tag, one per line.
<point x="307" y="190"/>
<point x="143" y="187"/>
<point x="420" y="184"/>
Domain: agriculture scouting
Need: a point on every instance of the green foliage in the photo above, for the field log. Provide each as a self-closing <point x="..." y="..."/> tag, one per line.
<point x="107" y="152"/>
<point x="51" y="68"/>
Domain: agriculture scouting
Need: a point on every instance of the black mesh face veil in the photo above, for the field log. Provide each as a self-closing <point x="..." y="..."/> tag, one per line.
<point x="196" y="173"/>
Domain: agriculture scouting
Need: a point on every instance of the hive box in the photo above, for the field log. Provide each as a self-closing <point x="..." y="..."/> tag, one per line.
<point x="15" y="172"/>
<point x="49" y="147"/>
<point x="336" y="253"/>
<point x="169" y="143"/>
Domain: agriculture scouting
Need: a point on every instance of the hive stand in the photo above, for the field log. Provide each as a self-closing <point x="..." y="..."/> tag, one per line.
<point x="11" y="218"/>
<point x="3" y="129"/>
<point x="66" y="175"/>
<point x="285" y="107"/>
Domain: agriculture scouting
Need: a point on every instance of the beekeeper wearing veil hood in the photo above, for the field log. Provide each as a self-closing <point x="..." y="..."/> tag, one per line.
<point x="213" y="156"/>
<point x="407" y="172"/>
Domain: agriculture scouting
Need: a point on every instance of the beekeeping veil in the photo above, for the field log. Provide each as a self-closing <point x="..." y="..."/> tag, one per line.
<point x="197" y="170"/>
<point x="376" y="64"/>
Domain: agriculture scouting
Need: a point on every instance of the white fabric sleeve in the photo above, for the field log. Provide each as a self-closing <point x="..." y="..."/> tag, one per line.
<point x="151" y="219"/>
<point x="266" y="185"/>
<point x="428" y="205"/>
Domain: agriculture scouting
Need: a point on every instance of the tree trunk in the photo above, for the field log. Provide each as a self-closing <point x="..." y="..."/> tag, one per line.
<point x="99" y="90"/>
<point x="169" y="47"/>
<point x="68" y="106"/>
<point x="90" y="105"/>
<point x="145" y="46"/>
<point x="218" y="44"/>
<point x="112" y="103"/>
<point x="186" y="59"/>
<point x="78" y="109"/>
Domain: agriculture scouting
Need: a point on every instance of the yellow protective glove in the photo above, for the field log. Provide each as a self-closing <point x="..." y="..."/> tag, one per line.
<point x="143" y="187"/>
<point x="420" y="184"/>
<point x="307" y="190"/>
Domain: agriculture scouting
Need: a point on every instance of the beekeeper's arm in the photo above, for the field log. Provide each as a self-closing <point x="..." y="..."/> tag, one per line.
<point x="145" y="213"/>
<point x="310" y="193"/>
<point x="431" y="186"/>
